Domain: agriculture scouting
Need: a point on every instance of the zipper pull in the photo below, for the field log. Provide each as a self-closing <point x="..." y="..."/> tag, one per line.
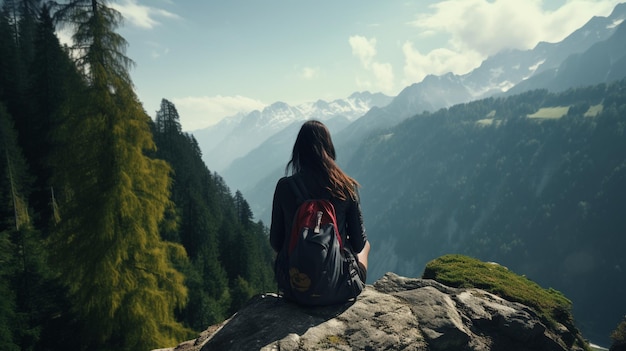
<point x="319" y="222"/>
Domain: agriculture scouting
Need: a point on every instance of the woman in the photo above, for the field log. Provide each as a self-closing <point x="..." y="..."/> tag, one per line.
<point x="313" y="161"/>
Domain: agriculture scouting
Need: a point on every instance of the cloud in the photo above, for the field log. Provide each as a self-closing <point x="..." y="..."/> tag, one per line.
<point x="157" y="49"/>
<point x="309" y="73"/>
<point x="476" y="29"/>
<point x="365" y="50"/>
<point x="65" y="36"/>
<point x="197" y="112"/>
<point x="438" y="62"/>
<point x="140" y="15"/>
<point x="384" y="76"/>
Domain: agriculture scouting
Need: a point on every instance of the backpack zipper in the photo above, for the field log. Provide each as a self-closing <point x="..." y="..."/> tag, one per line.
<point x="319" y="222"/>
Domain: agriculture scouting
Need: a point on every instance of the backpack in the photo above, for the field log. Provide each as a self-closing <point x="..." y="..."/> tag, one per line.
<point x="314" y="267"/>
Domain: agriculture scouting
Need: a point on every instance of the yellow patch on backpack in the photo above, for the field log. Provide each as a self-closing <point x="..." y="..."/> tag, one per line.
<point x="299" y="281"/>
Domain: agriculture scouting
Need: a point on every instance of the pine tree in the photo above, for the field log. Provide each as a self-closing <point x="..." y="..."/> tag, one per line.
<point x="107" y="244"/>
<point x="197" y="211"/>
<point x="12" y="214"/>
<point x="52" y="80"/>
<point x="9" y="55"/>
<point x="22" y="18"/>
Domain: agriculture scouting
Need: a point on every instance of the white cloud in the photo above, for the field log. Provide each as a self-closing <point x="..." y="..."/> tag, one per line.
<point x="384" y="76"/>
<point x="365" y="50"/>
<point x="477" y="29"/>
<point x="157" y="49"/>
<point x="438" y="62"/>
<point x="65" y="36"/>
<point x="309" y="73"/>
<point x="197" y="112"/>
<point x="140" y="15"/>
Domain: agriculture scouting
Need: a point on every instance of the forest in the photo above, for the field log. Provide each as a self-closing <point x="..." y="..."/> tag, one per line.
<point x="534" y="181"/>
<point x="114" y="235"/>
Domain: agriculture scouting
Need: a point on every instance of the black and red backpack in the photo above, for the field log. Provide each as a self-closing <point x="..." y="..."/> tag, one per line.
<point x="314" y="267"/>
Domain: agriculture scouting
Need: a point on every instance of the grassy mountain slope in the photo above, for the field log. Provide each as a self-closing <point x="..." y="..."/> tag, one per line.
<point x="533" y="181"/>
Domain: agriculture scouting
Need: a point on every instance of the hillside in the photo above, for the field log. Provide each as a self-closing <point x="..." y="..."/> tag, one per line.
<point x="592" y="54"/>
<point x="533" y="181"/>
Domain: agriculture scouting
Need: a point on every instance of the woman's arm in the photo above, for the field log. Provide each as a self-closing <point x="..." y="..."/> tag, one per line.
<point x="277" y="227"/>
<point x="356" y="228"/>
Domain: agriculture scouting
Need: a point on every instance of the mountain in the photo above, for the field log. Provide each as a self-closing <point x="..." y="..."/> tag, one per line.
<point x="533" y="181"/>
<point x="510" y="68"/>
<point x="235" y="136"/>
<point x="271" y="156"/>
<point x="432" y="93"/>
<point x="240" y="133"/>
<point x="603" y="62"/>
<point x="496" y="75"/>
<point x="208" y="138"/>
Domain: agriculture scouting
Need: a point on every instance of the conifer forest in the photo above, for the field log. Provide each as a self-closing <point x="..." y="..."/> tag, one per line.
<point x="114" y="235"/>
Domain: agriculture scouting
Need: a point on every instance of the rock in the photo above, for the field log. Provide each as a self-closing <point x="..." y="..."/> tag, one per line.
<point x="395" y="313"/>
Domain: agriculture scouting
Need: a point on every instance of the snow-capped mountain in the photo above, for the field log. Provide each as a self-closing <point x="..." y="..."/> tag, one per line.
<point x="594" y="51"/>
<point x="235" y="136"/>
<point x="603" y="62"/>
<point x="548" y="65"/>
<point x="270" y="158"/>
<point x="507" y="69"/>
<point x="496" y="75"/>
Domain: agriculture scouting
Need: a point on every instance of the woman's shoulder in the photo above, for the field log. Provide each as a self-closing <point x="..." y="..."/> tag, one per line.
<point x="285" y="179"/>
<point x="285" y="182"/>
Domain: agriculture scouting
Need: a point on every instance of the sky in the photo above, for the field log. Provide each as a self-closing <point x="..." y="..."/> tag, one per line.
<point x="216" y="58"/>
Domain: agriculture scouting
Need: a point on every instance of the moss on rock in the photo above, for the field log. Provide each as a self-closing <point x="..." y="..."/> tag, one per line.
<point x="466" y="272"/>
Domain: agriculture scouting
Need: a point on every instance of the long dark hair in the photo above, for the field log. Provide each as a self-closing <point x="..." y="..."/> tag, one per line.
<point x="314" y="151"/>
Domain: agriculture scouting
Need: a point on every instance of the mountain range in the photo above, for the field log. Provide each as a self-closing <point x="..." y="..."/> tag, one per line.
<point x="520" y="161"/>
<point x="235" y="136"/>
<point x="250" y="151"/>
<point x="497" y="75"/>
<point x="534" y="182"/>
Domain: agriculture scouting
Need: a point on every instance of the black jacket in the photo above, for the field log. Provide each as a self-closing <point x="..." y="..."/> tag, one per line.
<point x="349" y="215"/>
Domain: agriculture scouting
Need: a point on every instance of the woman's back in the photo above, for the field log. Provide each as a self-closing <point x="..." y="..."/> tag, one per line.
<point x="313" y="166"/>
<point x="348" y="212"/>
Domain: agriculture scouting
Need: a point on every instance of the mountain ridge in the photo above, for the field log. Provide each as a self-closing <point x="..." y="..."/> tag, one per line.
<point x="427" y="178"/>
<point x="530" y="181"/>
<point x="444" y="91"/>
<point x="235" y="136"/>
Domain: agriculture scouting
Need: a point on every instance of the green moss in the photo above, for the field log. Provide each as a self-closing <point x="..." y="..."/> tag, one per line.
<point x="465" y="272"/>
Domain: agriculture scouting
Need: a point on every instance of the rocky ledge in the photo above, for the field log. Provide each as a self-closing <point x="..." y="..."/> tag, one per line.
<point x="395" y="313"/>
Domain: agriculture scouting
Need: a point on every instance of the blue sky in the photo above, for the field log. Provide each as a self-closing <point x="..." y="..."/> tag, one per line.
<point x="214" y="58"/>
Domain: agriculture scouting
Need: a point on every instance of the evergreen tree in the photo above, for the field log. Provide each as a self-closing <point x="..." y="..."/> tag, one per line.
<point x="21" y="248"/>
<point x="9" y="55"/>
<point x="52" y="80"/>
<point x="107" y="245"/>
<point x="12" y="214"/>
<point x="197" y="211"/>
<point x="244" y="213"/>
<point x="230" y="254"/>
<point x="22" y="17"/>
